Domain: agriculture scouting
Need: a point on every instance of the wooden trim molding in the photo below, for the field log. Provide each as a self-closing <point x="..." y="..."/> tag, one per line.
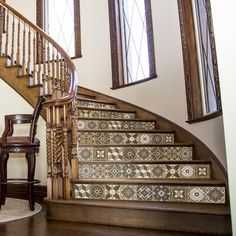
<point x="118" y="80"/>
<point x="190" y="59"/>
<point x="40" y="21"/>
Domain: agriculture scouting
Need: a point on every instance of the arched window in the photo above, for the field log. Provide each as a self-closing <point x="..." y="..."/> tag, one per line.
<point x="132" y="45"/>
<point x="61" y="20"/>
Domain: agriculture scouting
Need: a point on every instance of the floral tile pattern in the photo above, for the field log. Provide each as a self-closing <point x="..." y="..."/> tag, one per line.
<point x="115" y="125"/>
<point x="144" y="171"/>
<point x="84" y="103"/>
<point x="135" y="153"/>
<point x="83" y="113"/>
<point x="99" y="138"/>
<point x="156" y="193"/>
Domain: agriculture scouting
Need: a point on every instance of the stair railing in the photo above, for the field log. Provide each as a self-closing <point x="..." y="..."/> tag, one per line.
<point x="52" y="70"/>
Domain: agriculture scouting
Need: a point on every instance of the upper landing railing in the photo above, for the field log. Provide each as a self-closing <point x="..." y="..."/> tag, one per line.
<point x="52" y="70"/>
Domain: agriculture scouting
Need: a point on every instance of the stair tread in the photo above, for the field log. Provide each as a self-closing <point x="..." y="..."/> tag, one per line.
<point x="96" y="100"/>
<point x="149" y="162"/>
<point x="105" y="109"/>
<point x="128" y="131"/>
<point x="189" y="182"/>
<point x="112" y="119"/>
<point x="139" y="145"/>
<point x="85" y="94"/>
<point x="208" y="209"/>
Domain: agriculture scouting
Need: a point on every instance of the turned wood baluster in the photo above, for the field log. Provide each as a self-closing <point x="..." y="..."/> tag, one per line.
<point x="49" y="83"/>
<point x="66" y="179"/>
<point x="74" y="140"/>
<point x="39" y="44"/>
<point x="34" y="59"/>
<point x="44" y="70"/>
<point x="13" y="40"/>
<point x="29" y="52"/>
<point x="57" y="72"/>
<point x="62" y="81"/>
<point x="18" y="43"/>
<point x="1" y="26"/>
<point x="23" y="52"/>
<point x="7" y="33"/>
<point x="49" y="152"/>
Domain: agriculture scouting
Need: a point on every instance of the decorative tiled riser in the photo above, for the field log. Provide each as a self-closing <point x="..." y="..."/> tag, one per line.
<point x="83" y="113"/>
<point x="149" y="171"/>
<point x="114" y="125"/>
<point x="134" y="153"/>
<point x="82" y="103"/>
<point x="93" y="138"/>
<point x="158" y="193"/>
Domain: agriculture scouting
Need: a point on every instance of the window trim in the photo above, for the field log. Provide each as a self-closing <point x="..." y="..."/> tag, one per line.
<point x="116" y="45"/>
<point x="40" y="21"/>
<point x="191" y="66"/>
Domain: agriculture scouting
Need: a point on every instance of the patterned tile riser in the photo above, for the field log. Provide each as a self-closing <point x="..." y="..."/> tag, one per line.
<point x="154" y="193"/>
<point x="99" y="138"/>
<point x="144" y="171"/>
<point x="115" y="125"/>
<point x="135" y="153"/>
<point x="83" y="113"/>
<point x="82" y="103"/>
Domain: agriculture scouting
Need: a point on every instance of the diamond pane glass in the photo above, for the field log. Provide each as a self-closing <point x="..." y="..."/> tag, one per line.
<point x="136" y="63"/>
<point x="61" y="23"/>
<point x="205" y="56"/>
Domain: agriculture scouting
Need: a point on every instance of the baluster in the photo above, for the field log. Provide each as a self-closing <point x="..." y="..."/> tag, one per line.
<point x="44" y="69"/>
<point x="18" y="44"/>
<point x="39" y="76"/>
<point x="29" y="52"/>
<point x="57" y="72"/>
<point x="23" y="53"/>
<point x="34" y="59"/>
<point x="1" y="26"/>
<point x="66" y="156"/>
<point x="49" y="152"/>
<point x="53" y="75"/>
<point x="7" y="33"/>
<point x="49" y="83"/>
<point x="62" y="76"/>
<point x="13" y="40"/>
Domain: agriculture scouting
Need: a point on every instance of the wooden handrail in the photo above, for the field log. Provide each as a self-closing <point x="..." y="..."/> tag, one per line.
<point x="49" y="67"/>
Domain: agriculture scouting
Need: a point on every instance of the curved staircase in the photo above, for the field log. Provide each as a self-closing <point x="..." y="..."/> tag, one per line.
<point x="133" y="168"/>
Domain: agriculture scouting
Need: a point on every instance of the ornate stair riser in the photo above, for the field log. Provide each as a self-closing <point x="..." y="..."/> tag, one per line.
<point x="83" y="113"/>
<point x="100" y="138"/>
<point x="84" y="103"/>
<point x="115" y="125"/>
<point x="130" y="153"/>
<point x="144" y="171"/>
<point x="153" y="193"/>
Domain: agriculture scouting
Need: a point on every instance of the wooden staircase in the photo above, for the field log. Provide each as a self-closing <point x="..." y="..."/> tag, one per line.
<point x="133" y="168"/>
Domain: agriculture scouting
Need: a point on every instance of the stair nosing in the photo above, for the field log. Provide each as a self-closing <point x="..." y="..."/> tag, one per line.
<point x="140" y="145"/>
<point x="119" y="119"/>
<point x="127" y="131"/>
<point x="169" y="182"/>
<point x="96" y="101"/>
<point x="106" y="109"/>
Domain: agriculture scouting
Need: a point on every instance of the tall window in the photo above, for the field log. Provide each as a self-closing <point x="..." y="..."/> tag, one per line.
<point x="132" y="46"/>
<point x="60" y="19"/>
<point x="200" y="62"/>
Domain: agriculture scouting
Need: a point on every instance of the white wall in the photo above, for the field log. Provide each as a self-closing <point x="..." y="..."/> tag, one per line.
<point x="166" y="94"/>
<point x="224" y="20"/>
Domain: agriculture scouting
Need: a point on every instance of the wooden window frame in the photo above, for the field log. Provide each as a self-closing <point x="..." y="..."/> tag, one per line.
<point x="191" y="66"/>
<point x="116" y="45"/>
<point x="40" y="21"/>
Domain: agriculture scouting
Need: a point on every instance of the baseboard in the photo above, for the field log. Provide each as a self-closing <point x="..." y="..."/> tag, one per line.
<point x="20" y="191"/>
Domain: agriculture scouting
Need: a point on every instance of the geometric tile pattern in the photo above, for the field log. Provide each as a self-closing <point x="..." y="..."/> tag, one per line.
<point x="83" y="113"/>
<point x="143" y="171"/>
<point x="156" y="193"/>
<point x="84" y="103"/>
<point x="115" y="125"/>
<point x="99" y="138"/>
<point x="130" y="153"/>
